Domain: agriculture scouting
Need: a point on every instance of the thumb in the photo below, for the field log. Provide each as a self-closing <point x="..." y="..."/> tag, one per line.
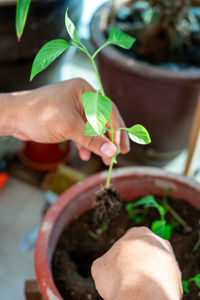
<point x="99" y="145"/>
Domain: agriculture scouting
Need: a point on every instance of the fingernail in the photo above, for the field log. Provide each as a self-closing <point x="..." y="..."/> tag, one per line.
<point x="108" y="149"/>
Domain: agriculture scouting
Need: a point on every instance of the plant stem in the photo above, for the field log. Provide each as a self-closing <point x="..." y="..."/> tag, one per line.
<point x="177" y="217"/>
<point x="109" y="172"/>
<point x="98" y="50"/>
<point x="113" y="159"/>
<point x="197" y="245"/>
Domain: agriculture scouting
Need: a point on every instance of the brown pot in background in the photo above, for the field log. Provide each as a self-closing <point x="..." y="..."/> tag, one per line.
<point x="163" y="101"/>
<point x="45" y="22"/>
<point x="44" y="157"/>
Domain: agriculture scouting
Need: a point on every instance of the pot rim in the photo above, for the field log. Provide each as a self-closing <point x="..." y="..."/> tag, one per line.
<point x="42" y="253"/>
<point x="142" y="68"/>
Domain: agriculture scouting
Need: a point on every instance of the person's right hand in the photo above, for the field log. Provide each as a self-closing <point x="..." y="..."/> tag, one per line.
<point x="139" y="266"/>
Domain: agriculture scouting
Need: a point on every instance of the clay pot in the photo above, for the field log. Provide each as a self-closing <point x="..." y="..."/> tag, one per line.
<point x="130" y="183"/>
<point x="45" y="22"/>
<point x="163" y="101"/>
<point x="44" y="157"/>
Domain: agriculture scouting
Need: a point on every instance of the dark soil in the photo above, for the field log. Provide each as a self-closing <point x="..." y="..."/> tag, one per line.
<point x="82" y="242"/>
<point x="159" y="44"/>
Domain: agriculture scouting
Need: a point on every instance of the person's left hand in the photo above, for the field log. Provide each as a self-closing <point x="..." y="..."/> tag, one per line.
<point x="54" y="114"/>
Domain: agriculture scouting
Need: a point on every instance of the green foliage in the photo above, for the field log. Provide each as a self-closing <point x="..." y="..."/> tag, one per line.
<point x="197" y="245"/>
<point x="159" y="227"/>
<point x="195" y="279"/>
<point x="120" y="39"/>
<point x="97" y="110"/>
<point x="21" y="16"/>
<point x="185" y="286"/>
<point x="71" y="29"/>
<point x="97" y="107"/>
<point x="138" y="134"/>
<point x="47" y="54"/>
<point x="89" y="130"/>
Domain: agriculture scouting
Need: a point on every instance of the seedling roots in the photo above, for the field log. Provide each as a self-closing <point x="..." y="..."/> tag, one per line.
<point x="108" y="206"/>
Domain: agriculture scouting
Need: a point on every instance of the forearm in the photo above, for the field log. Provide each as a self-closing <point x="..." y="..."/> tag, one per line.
<point x="9" y="113"/>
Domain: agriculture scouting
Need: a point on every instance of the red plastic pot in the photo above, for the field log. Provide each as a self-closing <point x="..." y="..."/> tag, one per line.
<point x="130" y="183"/>
<point x="44" y="157"/>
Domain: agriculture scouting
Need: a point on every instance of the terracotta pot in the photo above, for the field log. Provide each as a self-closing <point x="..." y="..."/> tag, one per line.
<point x="162" y="100"/>
<point x="45" y="22"/>
<point x="44" y="157"/>
<point x="130" y="183"/>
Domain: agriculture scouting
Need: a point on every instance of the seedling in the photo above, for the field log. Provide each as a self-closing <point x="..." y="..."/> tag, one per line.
<point x="173" y="212"/>
<point x="97" y="106"/>
<point x="195" y="279"/>
<point x="160" y="227"/>
<point x="197" y="245"/>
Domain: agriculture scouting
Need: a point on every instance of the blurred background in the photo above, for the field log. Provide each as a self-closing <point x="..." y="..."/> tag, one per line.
<point x="33" y="175"/>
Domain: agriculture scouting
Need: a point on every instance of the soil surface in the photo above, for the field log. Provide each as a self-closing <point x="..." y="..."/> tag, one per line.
<point x="159" y="43"/>
<point x="82" y="242"/>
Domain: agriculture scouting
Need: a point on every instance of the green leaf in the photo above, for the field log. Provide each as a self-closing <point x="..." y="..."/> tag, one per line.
<point x="162" y="210"/>
<point x="71" y="28"/>
<point x="119" y="38"/>
<point x="161" y="229"/>
<point x="97" y="110"/>
<point x="147" y="201"/>
<point x="21" y="16"/>
<point x="137" y="218"/>
<point x="196" y="279"/>
<point x="89" y="131"/>
<point x="139" y="134"/>
<point x="185" y="286"/>
<point x="47" y="54"/>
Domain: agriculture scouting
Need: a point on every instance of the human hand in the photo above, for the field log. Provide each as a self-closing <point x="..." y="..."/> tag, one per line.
<point x="54" y="113"/>
<point x="139" y="266"/>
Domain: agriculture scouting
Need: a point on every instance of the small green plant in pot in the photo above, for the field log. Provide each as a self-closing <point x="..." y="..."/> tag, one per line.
<point x="97" y="107"/>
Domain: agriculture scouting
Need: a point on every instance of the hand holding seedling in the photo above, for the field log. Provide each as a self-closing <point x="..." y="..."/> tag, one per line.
<point x="53" y="114"/>
<point x="97" y="107"/>
<point x="140" y="266"/>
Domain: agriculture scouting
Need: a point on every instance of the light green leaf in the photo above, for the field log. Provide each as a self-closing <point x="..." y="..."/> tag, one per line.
<point x="21" y="16"/>
<point x="71" y="29"/>
<point x="161" y="229"/>
<point x="139" y="134"/>
<point x="97" y="110"/>
<point x="196" y="279"/>
<point x="47" y="54"/>
<point x="185" y="286"/>
<point x="162" y="210"/>
<point x="119" y="38"/>
<point x="137" y="218"/>
<point x="89" y="131"/>
<point x="147" y="201"/>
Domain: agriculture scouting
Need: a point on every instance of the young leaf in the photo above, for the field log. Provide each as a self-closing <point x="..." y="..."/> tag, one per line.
<point x="137" y="218"/>
<point x="196" y="279"/>
<point x="185" y="286"/>
<point x="162" y="210"/>
<point x="147" y="201"/>
<point x="71" y="29"/>
<point x="89" y="131"/>
<point x="21" y="16"/>
<point x="119" y="38"/>
<point x="47" y="54"/>
<point x="161" y="229"/>
<point x="97" y="110"/>
<point x="139" y="134"/>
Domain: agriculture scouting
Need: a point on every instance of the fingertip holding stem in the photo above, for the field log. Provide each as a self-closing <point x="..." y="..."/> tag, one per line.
<point x="108" y="149"/>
